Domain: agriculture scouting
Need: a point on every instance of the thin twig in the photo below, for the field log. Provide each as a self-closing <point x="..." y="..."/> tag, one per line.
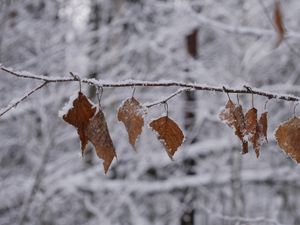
<point x="11" y="106"/>
<point x="35" y="187"/>
<point x="168" y="98"/>
<point x="133" y="83"/>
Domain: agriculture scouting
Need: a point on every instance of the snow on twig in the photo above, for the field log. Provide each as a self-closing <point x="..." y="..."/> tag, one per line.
<point x="164" y="100"/>
<point x="140" y="83"/>
<point x="13" y="105"/>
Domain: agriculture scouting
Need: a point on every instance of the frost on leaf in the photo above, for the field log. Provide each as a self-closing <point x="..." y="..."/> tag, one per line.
<point x="227" y="115"/>
<point x="233" y="116"/>
<point x="131" y="113"/>
<point x="240" y="127"/>
<point x="79" y="116"/>
<point x="169" y="134"/>
<point x="278" y="22"/>
<point x="252" y="129"/>
<point x="97" y="133"/>
<point x="263" y="126"/>
<point x="288" y="137"/>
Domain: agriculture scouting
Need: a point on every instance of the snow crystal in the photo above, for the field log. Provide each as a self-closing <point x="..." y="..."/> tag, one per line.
<point x="67" y="106"/>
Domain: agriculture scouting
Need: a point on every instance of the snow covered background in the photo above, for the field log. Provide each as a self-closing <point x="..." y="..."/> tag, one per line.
<point x="43" y="178"/>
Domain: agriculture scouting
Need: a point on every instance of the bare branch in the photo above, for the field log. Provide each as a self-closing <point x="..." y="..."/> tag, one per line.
<point x="137" y="83"/>
<point x="11" y="106"/>
<point x="168" y="98"/>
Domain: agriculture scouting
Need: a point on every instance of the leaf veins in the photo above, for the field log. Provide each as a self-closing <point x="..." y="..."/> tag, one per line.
<point x="288" y="137"/>
<point x="131" y="113"/>
<point x="169" y="134"/>
<point x="79" y="117"/>
<point x="98" y="133"/>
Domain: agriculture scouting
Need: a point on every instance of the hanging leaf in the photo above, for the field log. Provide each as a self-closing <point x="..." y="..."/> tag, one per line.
<point x="240" y="127"/>
<point x="263" y="126"/>
<point x="98" y="133"/>
<point x="79" y="115"/>
<point x="227" y="114"/>
<point x="169" y="134"/>
<point x="278" y="22"/>
<point x="252" y="129"/>
<point x="288" y="137"/>
<point x="131" y="113"/>
<point x="192" y="44"/>
<point x="233" y="116"/>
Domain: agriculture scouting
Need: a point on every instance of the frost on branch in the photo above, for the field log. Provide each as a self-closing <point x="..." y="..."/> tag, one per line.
<point x="131" y="113"/>
<point x="169" y="134"/>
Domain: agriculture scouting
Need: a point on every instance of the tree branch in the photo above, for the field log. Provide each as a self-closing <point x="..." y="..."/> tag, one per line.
<point x="138" y="83"/>
<point x="11" y="106"/>
<point x="168" y="98"/>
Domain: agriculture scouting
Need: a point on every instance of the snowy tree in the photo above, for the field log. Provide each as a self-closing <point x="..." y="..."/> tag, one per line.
<point x="179" y="52"/>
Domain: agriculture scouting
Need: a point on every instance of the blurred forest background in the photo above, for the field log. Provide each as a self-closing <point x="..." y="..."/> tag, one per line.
<point x="43" y="178"/>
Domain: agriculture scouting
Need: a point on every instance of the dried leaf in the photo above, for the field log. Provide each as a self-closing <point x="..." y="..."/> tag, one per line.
<point x="227" y="115"/>
<point x="233" y="116"/>
<point x="191" y="43"/>
<point x="278" y="21"/>
<point x="131" y="113"/>
<point x="97" y="133"/>
<point x="252" y="129"/>
<point x="79" y="117"/>
<point x="288" y="137"/>
<point x="168" y="133"/>
<point x="263" y="126"/>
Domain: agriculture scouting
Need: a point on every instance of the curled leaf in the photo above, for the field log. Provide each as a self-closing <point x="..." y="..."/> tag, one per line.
<point x="79" y="115"/>
<point x="252" y="129"/>
<point x="227" y="115"/>
<point x="98" y="133"/>
<point x="288" y="137"/>
<point x="169" y="134"/>
<point x="240" y="127"/>
<point x="131" y="113"/>
<point x="263" y="126"/>
<point x="233" y="116"/>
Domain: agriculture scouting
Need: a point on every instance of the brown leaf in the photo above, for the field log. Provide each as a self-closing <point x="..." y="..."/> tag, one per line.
<point x="240" y="127"/>
<point x="252" y="129"/>
<point x="263" y="126"/>
<point x="97" y="133"/>
<point x="288" y="137"/>
<point x="233" y="116"/>
<point x="131" y="113"/>
<point x="227" y="115"/>
<point x="278" y="21"/>
<point x="79" y="117"/>
<point x="191" y="43"/>
<point x="168" y="133"/>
